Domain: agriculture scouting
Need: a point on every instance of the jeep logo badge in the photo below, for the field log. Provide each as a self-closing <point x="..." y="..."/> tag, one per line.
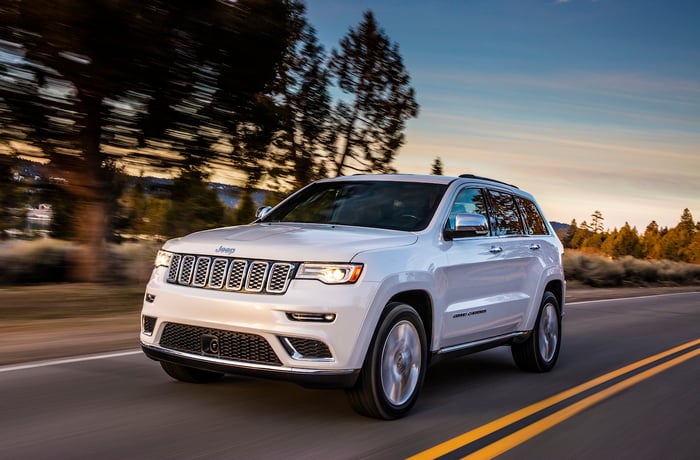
<point x="224" y="250"/>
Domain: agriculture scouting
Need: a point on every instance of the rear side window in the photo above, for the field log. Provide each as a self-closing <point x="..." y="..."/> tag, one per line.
<point x="534" y="223"/>
<point x="505" y="219"/>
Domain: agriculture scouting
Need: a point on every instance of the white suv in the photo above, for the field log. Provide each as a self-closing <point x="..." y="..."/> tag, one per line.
<point x="361" y="282"/>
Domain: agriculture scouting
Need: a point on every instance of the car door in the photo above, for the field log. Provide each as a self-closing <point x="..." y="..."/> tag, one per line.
<point x="476" y="275"/>
<point x="522" y="265"/>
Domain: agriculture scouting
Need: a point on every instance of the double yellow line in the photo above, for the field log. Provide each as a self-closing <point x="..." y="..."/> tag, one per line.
<point x="510" y="441"/>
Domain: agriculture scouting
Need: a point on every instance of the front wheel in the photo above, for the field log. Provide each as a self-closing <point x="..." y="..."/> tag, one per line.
<point x="540" y="351"/>
<point x="394" y="367"/>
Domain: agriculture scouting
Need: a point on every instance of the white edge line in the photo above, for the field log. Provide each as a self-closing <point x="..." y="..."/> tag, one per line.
<point x="632" y="297"/>
<point x="56" y="362"/>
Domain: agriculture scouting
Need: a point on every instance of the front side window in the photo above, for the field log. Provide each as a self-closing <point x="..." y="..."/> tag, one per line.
<point x="468" y="201"/>
<point x="504" y="218"/>
<point x="392" y="205"/>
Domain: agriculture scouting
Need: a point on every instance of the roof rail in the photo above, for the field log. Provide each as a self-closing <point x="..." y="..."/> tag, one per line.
<point x="472" y="176"/>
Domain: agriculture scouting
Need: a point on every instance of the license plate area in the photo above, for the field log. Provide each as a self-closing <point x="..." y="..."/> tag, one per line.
<point x="210" y="345"/>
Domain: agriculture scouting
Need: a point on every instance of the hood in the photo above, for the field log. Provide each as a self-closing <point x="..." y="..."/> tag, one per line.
<point x="290" y="242"/>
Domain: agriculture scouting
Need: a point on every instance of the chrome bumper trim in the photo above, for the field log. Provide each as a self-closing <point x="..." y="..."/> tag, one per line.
<point x="246" y="365"/>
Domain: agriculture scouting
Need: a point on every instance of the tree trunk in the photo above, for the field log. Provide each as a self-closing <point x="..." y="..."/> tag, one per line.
<point x="88" y="184"/>
<point x="346" y="150"/>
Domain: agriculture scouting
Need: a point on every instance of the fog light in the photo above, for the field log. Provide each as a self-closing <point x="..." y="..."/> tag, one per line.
<point x="316" y="317"/>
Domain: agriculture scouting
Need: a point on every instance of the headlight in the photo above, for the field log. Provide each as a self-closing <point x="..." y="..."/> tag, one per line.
<point x="330" y="273"/>
<point x="163" y="258"/>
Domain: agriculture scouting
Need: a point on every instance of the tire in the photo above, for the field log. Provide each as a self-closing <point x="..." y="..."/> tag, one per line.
<point x="394" y="369"/>
<point x="540" y="351"/>
<point x="190" y="374"/>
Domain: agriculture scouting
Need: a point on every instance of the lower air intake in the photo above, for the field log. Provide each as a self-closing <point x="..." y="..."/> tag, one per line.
<point x="235" y="346"/>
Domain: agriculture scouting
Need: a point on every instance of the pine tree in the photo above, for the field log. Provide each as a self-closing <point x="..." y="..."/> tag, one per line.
<point x="245" y="212"/>
<point x="436" y="167"/>
<point x="651" y="247"/>
<point x="302" y="86"/>
<point x="131" y="74"/>
<point x="675" y="243"/>
<point x="570" y="232"/>
<point x="597" y="221"/>
<point x="369" y="125"/>
<point x="626" y="243"/>
<point x="195" y="206"/>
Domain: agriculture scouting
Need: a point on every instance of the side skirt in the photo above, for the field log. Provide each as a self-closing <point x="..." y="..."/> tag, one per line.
<point x="478" y="345"/>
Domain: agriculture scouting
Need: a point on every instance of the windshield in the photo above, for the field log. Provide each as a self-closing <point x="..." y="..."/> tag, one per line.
<point x="392" y="205"/>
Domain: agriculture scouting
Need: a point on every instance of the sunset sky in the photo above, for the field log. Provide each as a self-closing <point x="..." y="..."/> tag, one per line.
<point x="589" y="105"/>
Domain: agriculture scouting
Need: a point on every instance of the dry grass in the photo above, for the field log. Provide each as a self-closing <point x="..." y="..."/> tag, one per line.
<point x="599" y="271"/>
<point x="73" y="300"/>
<point x="45" y="261"/>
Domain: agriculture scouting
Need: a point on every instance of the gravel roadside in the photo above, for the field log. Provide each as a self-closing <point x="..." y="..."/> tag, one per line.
<point x="26" y="339"/>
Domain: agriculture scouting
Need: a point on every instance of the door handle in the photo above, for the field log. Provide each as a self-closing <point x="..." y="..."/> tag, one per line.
<point x="495" y="249"/>
<point x="535" y="247"/>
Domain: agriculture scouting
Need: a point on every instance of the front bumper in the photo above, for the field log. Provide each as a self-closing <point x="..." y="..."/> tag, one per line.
<point x="314" y="378"/>
<point x="260" y="334"/>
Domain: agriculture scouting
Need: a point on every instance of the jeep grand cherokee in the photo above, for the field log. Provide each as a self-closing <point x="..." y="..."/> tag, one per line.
<point x="360" y="283"/>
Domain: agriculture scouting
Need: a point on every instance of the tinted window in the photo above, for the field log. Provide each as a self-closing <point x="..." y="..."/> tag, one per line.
<point x="468" y="201"/>
<point x="534" y="223"/>
<point x="393" y="205"/>
<point x="504" y="216"/>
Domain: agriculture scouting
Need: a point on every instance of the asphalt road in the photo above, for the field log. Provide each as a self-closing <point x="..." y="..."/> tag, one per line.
<point x="124" y="406"/>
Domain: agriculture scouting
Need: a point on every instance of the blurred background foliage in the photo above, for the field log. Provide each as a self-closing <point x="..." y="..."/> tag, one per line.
<point x="139" y="120"/>
<point x="680" y="243"/>
<point x="101" y="91"/>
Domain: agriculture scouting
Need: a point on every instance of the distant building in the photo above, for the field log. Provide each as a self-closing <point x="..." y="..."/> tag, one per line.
<point x="41" y="213"/>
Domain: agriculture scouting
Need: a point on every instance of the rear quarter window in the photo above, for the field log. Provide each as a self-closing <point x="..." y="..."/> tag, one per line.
<point x="534" y="223"/>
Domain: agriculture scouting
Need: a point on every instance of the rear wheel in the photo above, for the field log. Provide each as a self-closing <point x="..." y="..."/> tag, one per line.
<point x="540" y="351"/>
<point x="394" y="367"/>
<point x="189" y="374"/>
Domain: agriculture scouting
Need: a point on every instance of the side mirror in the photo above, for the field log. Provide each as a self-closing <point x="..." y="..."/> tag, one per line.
<point x="467" y="225"/>
<point x="263" y="211"/>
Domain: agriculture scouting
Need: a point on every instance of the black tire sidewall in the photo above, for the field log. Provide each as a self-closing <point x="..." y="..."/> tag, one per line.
<point x="542" y="364"/>
<point x="394" y="314"/>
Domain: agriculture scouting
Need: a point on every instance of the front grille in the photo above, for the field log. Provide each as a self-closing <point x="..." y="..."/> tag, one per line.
<point x="306" y="348"/>
<point x="236" y="346"/>
<point x="230" y="274"/>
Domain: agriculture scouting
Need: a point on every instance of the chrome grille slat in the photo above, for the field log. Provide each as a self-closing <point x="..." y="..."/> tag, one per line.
<point x="279" y="277"/>
<point x="173" y="268"/>
<point x="229" y="274"/>
<point x="256" y="276"/>
<point x="186" y="270"/>
<point x="218" y="273"/>
<point x="236" y="275"/>
<point x="201" y="272"/>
